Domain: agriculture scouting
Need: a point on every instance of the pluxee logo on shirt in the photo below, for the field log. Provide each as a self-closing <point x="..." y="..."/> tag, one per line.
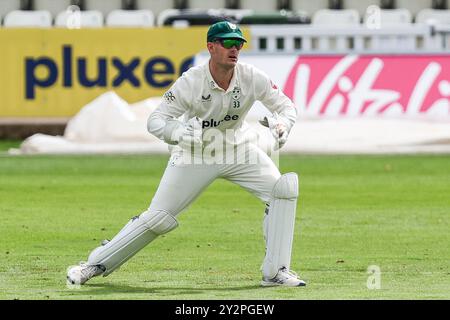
<point x="213" y="123"/>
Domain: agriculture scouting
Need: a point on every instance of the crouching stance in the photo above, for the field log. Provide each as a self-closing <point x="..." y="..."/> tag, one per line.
<point x="212" y="100"/>
<point x="278" y="228"/>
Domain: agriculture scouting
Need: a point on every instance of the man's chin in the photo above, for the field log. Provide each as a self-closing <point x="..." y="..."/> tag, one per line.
<point x="232" y="63"/>
<point x="228" y="64"/>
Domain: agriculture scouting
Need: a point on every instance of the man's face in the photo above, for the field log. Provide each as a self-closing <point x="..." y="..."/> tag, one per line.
<point x="223" y="56"/>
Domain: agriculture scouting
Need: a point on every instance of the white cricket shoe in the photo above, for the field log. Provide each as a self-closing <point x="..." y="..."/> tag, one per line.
<point x="284" y="277"/>
<point x="82" y="273"/>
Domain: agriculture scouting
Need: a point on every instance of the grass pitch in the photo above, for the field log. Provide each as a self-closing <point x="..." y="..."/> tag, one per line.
<point x="354" y="211"/>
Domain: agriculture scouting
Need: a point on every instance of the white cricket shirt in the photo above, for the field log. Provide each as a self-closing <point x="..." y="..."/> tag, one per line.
<point x="196" y="93"/>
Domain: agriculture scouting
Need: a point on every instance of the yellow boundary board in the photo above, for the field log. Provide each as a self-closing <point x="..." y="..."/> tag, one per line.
<point x="55" y="72"/>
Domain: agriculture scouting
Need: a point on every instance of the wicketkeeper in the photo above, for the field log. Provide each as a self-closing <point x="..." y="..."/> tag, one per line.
<point x="212" y="100"/>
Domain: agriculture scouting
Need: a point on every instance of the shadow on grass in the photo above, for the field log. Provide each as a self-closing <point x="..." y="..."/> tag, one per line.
<point x="108" y="288"/>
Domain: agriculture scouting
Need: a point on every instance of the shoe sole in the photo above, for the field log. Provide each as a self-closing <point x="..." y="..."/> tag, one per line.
<point x="276" y="284"/>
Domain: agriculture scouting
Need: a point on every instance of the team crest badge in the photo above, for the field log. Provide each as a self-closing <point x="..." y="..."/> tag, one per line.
<point x="236" y="93"/>
<point x="232" y="26"/>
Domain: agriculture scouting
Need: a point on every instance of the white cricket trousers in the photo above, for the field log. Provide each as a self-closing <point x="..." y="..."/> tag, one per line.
<point x="183" y="182"/>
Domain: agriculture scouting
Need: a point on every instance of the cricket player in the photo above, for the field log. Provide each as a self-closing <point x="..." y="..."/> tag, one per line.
<point x="211" y="101"/>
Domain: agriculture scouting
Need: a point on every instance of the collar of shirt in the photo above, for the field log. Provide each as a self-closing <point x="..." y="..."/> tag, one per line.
<point x="233" y="83"/>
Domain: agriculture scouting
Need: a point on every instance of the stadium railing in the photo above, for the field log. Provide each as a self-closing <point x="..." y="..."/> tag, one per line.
<point x="357" y="38"/>
<point x="379" y="30"/>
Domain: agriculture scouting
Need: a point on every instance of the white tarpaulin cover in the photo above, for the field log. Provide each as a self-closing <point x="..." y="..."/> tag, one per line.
<point x="109" y="124"/>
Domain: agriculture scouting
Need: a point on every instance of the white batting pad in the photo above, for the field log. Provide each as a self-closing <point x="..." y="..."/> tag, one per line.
<point x="279" y="225"/>
<point x="140" y="231"/>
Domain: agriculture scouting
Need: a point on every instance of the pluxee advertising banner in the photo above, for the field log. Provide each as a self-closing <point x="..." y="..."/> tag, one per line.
<point x="55" y="72"/>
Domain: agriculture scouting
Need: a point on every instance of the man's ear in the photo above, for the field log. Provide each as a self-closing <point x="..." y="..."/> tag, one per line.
<point x="210" y="46"/>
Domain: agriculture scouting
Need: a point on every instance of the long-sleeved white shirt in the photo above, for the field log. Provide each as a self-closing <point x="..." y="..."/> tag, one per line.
<point x="196" y="93"/>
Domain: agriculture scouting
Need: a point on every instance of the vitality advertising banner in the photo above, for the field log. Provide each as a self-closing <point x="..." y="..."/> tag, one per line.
<point x="395" y="86"/>
<point x="55" y="72"/>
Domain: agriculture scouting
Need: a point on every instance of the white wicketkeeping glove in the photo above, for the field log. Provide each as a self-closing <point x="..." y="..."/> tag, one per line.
<point x="277" y="128"/>
<point x="190" y="134"/>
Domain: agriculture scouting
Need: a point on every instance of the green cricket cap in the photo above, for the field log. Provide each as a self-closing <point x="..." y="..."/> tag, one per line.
<point x="224" y="30"/>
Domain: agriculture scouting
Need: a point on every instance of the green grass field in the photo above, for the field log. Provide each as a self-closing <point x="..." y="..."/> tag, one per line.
<point x="354" y="211"/>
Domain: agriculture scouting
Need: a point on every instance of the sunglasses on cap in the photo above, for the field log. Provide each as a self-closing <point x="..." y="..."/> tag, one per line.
<point x="230" y="43"/>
